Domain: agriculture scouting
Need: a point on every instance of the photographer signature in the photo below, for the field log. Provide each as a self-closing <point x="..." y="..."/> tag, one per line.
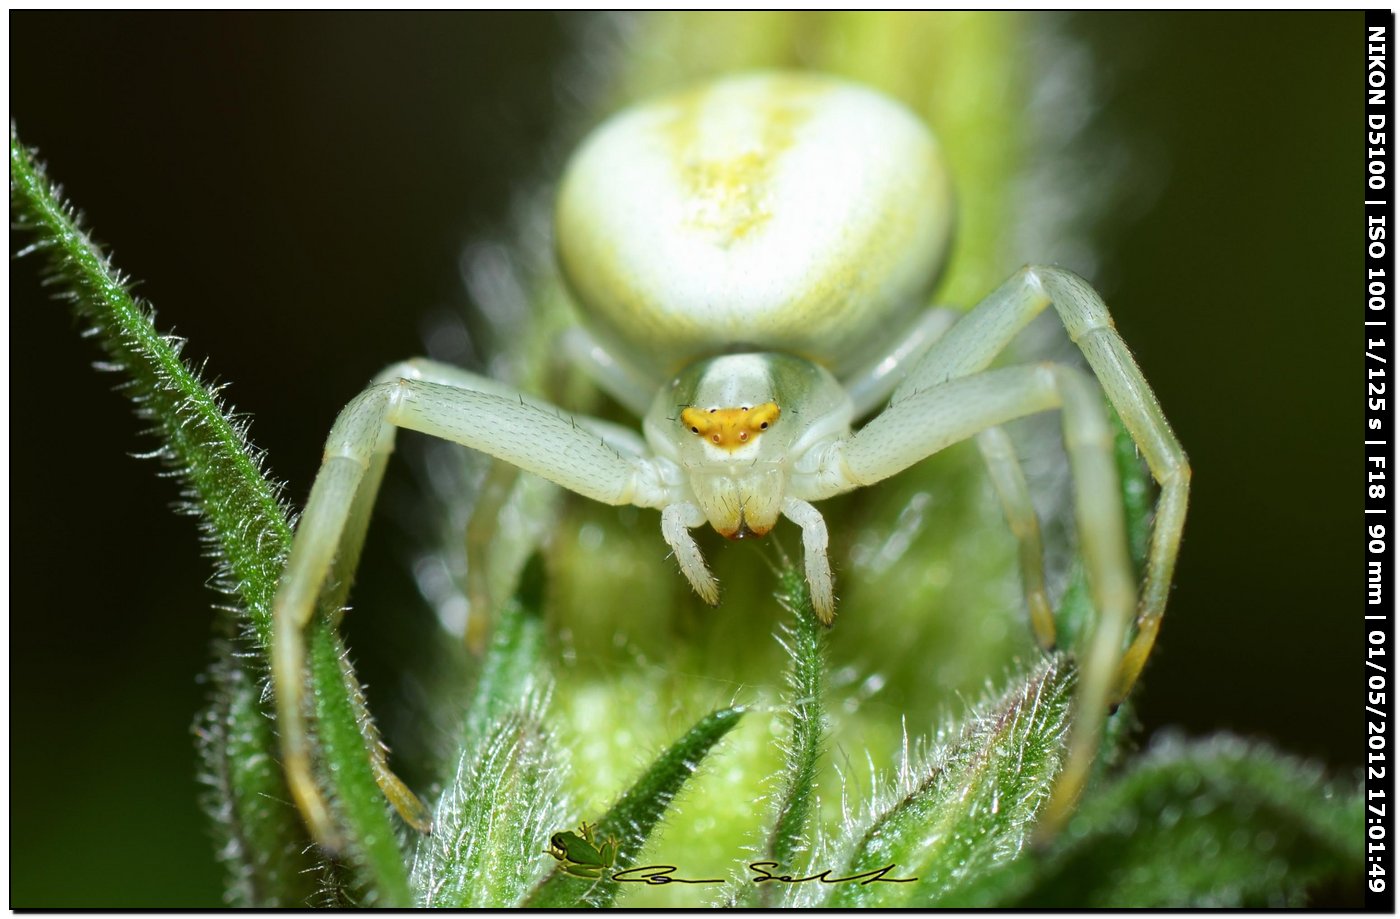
<point x="665" y="874"/>
<point x="582" y="855"/>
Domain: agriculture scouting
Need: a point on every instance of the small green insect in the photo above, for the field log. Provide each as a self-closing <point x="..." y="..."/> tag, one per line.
<point x="579" y="854"/>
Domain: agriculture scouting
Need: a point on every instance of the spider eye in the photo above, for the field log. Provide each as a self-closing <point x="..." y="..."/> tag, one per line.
<point x="763" y="427"/>
<point x="713" y="410"/>
<point x="694" y="430"/>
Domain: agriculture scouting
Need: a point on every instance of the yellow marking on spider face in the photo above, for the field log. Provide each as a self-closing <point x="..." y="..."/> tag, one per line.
<point x="730" y="428"/>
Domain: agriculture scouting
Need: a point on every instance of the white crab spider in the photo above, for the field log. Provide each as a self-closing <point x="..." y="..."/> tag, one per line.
<point x="753" y="258"/>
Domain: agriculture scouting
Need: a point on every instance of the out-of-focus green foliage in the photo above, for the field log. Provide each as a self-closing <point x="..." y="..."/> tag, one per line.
<point x="1216" y="823"/>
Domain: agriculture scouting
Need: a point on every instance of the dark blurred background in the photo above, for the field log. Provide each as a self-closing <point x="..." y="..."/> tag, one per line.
<point x="294" y="192"/>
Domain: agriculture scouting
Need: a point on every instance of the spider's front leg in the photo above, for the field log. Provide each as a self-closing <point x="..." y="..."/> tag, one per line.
<point x="586" y="456"/>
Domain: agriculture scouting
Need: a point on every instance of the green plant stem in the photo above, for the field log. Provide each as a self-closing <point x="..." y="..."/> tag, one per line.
<point x="245" y="518"/>
<point x="806" y="683"/>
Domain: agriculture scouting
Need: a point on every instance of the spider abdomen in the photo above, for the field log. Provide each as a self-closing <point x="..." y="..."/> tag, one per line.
<point x="770" y="212"/>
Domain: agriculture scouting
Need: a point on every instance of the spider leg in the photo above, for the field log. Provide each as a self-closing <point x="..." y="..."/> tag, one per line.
<point x="870" y="386"/>
<point x="677" y="520"/>
<point x="499" y="487"/>
<point x="466" y="409"/>
<point x="1010" y="483"/>
<point x="983" y="333"/>
<point x="615" y="376"/>
<point x="930" y="420"/>
<point x="969" y="347"/>
<point x="815" y="561"/>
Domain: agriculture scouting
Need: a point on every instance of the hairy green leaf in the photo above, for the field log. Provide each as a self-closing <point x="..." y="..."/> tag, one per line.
<point x="631" y="820"/>
<point x="372" y="843"/>
<point x="514" y="665"/>
<point x="493" y="821"/>
<point x="504" y="800"/>
<point x="963" y="809"/>
<point x="262" y="844"/>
